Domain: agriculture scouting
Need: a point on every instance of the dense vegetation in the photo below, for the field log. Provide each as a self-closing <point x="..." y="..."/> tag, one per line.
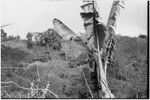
<point x="53" y="71"/>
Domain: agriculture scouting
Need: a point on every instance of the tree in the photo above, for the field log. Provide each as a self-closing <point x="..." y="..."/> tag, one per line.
<point x="29" y="40"/>
<point x="142" y="36"/>
<point x="29" y="36"/>
<point x="3" y="33"/>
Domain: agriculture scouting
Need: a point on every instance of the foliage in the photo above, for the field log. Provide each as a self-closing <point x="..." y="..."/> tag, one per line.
<point x="130" y="67"/>
<point x="143" y="36"/>
<point x="10" y="37"/>
<point x="47" y="39"/>
<point x="3" y="33"/>
<point x="60" y="71"/>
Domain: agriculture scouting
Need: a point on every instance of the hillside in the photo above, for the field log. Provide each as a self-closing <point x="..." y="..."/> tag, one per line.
<point x="129" y="68"/>
<point x="43" y="68"/>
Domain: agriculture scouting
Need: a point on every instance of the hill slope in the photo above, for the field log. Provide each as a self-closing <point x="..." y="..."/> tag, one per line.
<point x="127" y="77"/>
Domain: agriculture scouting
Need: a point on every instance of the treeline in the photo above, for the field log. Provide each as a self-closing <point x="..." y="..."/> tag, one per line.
<point x="45" y="39"/>
<point x="5" y="37"/>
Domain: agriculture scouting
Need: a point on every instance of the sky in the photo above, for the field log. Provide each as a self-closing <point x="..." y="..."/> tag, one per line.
<point x="37" y="15"/>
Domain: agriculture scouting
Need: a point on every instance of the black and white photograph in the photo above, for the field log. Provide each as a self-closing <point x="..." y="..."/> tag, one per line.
<point x="74" y="49"/>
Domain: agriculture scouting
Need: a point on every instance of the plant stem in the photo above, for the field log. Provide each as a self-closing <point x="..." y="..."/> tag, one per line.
<point x="87" y="85"/>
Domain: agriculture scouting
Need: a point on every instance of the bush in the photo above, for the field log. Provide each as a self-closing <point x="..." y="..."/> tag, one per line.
<point x="143" y="36"/>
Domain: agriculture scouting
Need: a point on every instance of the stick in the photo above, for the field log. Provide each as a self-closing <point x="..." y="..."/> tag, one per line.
<point x="38" y="74"/>
<point x="88" y="85"/>
<point x="7" y="94"/>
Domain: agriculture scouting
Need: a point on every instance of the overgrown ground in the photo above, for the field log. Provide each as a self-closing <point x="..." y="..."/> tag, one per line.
<point x="23" y="69"/>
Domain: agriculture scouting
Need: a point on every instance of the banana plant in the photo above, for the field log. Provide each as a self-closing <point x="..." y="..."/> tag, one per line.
<point x="101" y="35"/>
<point x="98" y="39"/>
